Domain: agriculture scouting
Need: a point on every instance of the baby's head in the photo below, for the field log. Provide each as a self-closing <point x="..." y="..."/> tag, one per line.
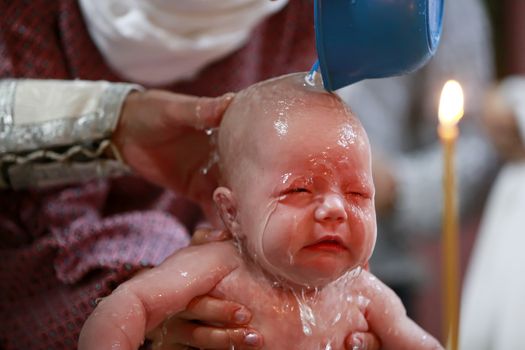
<point x="297" y="185"/>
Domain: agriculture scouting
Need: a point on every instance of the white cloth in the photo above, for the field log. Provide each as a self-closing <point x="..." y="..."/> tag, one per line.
<point x="157" y="42"/>
<point x="39" y="101"/>
<point x="493" y="303"/>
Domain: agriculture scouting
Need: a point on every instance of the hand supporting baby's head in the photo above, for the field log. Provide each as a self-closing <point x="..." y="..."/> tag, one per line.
<point x="297" y="185"/>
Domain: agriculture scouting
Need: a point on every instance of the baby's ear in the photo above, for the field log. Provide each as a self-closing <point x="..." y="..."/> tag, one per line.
<point x="227" y="206"/>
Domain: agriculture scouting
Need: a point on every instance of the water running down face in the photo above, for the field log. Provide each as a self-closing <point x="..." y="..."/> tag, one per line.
<point x="298" y="190"/>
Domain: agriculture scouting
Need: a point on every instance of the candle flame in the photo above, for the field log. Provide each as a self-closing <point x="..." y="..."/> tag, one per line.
<point x="451" y="104"/>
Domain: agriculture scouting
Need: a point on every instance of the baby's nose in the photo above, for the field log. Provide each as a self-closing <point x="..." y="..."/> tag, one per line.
<point x="332" y="208"/>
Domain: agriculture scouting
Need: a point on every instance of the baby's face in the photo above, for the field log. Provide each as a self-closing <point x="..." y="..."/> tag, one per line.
<point x="305" y="204"/>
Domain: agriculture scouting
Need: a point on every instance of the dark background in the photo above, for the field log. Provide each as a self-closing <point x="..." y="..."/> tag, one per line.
<point x="508" y="19"/>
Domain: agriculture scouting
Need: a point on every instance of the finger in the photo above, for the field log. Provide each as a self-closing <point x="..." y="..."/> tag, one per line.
<point x="362" y="341"/>
<point x="197" y="112"/>
<point x="209" y="309"/>
<point x="183" y="332"/>
<point x="210" y="110"/>
<point x="205" y="235"/>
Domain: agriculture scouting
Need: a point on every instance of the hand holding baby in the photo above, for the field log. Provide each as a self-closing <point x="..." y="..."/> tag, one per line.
<point x="160" y="135"/>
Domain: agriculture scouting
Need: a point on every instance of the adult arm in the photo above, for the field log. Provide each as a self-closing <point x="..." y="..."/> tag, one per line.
<point x="57" y="132"/>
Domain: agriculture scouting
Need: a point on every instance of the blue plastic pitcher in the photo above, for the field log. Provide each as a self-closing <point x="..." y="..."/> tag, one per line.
<point x="362" y="39"/>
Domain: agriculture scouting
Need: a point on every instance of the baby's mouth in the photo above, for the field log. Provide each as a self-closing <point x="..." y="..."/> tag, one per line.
<point x="328" y="244"/>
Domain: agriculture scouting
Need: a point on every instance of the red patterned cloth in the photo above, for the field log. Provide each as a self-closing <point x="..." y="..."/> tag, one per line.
<point x="63" y="248"/>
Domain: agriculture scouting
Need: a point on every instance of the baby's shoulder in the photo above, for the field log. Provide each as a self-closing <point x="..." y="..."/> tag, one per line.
<point x="215" y="257"/>
<point x="223" y="249"/>
<point x="377" y="294"/>
<point x="252" y="289"/>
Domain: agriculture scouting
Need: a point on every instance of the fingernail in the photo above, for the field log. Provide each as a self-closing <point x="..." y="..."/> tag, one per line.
<point x="251" y="339"/>
<point x="216" y="234"/>
<point x="228" y="96"/>
<point x="357" y="343"/>
<point x="242" y="316"/>
<point x="224" y="102"/>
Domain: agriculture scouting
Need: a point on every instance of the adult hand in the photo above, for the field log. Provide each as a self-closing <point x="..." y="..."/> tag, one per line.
<point x="211" y="323"/>
<point x="502" y="127"/>
<point x="162" y="137"/>
<point x="208" y="322"/>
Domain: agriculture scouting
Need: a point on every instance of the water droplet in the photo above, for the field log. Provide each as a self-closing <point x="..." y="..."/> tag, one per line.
<point x="214" y="159"/>
<point x="290" y="258"/>
<point x="310" y="78"/>
<point x="337" y="318"/>
<point x="285" y="178"/>
<point x="313" y="78"/>
<point x="281" y="125"/>
<point x="328" y="346"/>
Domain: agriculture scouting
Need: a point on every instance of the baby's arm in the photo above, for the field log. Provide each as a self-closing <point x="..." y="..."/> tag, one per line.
<point x="388" y="320"/>
<point x="122" y="319"/>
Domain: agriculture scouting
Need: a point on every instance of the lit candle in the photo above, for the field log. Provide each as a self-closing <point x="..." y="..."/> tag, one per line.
<point x="450" y="112"/>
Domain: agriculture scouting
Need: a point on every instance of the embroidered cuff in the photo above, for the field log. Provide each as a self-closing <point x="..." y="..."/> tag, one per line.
<point x="55" y="132"/>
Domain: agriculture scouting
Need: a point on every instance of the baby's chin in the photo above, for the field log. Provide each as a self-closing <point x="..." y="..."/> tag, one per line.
<point x="306" y="269"/>
<point x="314" y="274"/>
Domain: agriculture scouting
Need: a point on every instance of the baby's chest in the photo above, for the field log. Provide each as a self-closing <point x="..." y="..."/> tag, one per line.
<point x="287" y="321"/>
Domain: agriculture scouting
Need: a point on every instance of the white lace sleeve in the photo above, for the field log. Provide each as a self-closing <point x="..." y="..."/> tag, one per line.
<point x="56" y="132"/>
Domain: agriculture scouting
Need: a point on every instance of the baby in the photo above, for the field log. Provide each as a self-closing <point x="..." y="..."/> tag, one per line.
<point x="297" y="196"/>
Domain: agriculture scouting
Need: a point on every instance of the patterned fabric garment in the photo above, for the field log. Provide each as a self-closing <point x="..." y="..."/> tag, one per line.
<point x="62" y="248"/>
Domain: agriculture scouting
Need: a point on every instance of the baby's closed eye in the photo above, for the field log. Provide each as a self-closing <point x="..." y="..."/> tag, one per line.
<point x="358" y="194"/>
<point x="296" y="195"/>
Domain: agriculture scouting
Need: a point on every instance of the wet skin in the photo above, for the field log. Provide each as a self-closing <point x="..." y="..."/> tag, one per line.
<point x="299" y="201"/>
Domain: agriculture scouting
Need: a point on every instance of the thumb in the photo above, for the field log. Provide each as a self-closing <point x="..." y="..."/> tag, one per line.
<point x="197" y="112"/>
